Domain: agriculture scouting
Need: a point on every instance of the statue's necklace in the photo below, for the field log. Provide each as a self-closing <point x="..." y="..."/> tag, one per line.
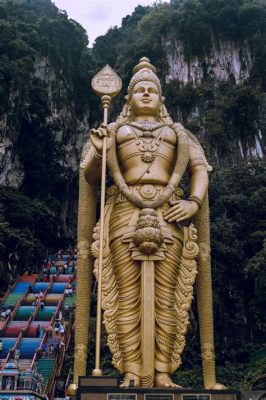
<point x="147" y="140"/>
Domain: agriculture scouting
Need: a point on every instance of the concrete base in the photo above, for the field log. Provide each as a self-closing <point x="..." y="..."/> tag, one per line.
<point x="104" y="388"/>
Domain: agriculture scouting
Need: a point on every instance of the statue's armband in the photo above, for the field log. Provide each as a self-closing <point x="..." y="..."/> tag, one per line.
<point x="90" y="163"/>
<point x="196" y="154"/>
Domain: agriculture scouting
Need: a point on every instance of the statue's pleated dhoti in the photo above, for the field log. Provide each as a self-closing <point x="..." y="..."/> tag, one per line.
<point x="173" y="275"/>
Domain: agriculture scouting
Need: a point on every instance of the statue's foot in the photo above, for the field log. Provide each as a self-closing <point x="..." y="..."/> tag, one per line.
<point x="130" y="380"/>
<point x="164" y="380"/>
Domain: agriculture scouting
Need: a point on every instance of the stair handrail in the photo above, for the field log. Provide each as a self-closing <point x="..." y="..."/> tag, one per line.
<point x="51" y="381"/>
<point x="67" y="338"/>
<point x="68" y="380"/>
<point x="61" y="356"/>
<point x="13" y="313"/>
<point x="11" y="351"/>
<point x="37" y="351"/>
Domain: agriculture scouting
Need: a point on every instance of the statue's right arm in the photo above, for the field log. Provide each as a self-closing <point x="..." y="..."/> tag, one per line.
<point x="91" y="163"/>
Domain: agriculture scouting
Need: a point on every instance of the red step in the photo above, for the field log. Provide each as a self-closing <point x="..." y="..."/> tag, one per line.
<point x="29" y="278"/>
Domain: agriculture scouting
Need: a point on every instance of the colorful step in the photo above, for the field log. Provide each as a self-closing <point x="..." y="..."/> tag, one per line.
<point x="13" y="328"/>
<point x="58" y="288"/>
<point x="29" y="278"/>
<point x="64" y="278"/>
<point x="69" y="300"/>
<point x="29" y="299"/>
<point x="28" y="346"/>
<point x="52" y="299"/>
<point x="40" y="286"/>
<point x="21" y="287"/>
<point x="32" y="331"/>
<point x="53" y="270"/>
<point x="46" y="313"/>
<point x="45" y="367"/>
<point x="23" y="313"/>
<point x="12" y="299"/>
<point x="8" y="343"/>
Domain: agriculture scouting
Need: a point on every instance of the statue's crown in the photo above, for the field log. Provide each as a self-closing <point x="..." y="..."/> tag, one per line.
<point x="144" y="71"/>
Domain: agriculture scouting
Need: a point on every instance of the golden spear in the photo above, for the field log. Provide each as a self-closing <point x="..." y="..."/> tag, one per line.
<point x="106" y="84"/>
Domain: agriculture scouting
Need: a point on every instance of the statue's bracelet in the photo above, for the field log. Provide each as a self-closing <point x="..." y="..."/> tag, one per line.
<point x="196" y="200"/>
<point x="97" y="155"/>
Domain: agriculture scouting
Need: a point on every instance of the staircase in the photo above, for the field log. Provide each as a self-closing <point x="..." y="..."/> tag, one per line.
<point x="45" y="367"/>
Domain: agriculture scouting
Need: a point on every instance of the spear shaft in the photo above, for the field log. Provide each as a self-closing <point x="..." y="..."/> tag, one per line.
<point x="106" y="84"/>
<point x="97" y="370"/>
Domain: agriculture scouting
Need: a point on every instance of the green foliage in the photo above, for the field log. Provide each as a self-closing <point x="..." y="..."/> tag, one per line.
<point x="28" y="230"/>
<point x="44" y="62"/>
<point x="238" y="227"/>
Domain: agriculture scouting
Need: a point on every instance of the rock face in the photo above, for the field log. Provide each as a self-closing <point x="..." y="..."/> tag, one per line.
<point x="70" y="128"/>
<point x="226" y="60"/>
<point x="12" y="171"/>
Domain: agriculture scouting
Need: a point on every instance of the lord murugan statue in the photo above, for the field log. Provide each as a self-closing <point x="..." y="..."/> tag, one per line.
<point x="156" y="241"/>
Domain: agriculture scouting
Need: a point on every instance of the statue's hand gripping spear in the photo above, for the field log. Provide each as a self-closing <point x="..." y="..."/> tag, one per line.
<point x="106" y="84"/>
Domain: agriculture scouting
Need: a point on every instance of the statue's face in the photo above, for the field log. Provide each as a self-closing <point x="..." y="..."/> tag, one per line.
<point x="145" y="99"/>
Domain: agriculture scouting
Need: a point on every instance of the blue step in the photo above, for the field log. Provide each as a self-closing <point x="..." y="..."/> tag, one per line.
<point x="28" y="346"/>
<point x="40" y="286"/>
<point x="21" y="287"/>
<point x="8" y="343"/>
<point x="58" y="288"/>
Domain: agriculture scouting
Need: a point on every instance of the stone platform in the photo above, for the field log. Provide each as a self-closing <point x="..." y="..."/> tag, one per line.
<point x="105" y="388"/>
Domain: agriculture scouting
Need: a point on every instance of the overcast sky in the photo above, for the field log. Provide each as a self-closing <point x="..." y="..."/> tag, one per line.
<point x="97" y="16"/>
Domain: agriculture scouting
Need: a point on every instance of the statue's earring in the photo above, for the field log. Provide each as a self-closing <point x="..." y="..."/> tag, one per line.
<point x="128" y="112"/>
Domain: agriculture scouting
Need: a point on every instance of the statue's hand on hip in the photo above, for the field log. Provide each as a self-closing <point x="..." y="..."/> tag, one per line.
<point x="181" y="210"/>
<point x="97" y="135"/>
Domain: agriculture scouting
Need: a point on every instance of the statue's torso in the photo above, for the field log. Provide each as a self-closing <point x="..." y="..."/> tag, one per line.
<point x="153" y="165"/>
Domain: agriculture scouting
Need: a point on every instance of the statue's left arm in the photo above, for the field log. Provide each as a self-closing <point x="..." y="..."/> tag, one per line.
<point x="182" y="210"/>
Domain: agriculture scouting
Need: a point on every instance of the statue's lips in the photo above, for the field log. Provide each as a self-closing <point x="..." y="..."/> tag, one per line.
<point x="146" y="100"/>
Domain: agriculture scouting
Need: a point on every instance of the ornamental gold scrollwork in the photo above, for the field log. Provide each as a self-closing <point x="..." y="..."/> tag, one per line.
<point x="83" y="249"/>
<point x="207" y="352"/>
<point x="81" y="352"/>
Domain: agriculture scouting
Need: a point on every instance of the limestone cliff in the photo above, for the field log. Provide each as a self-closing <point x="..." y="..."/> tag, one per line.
<point x="227" y="63"/>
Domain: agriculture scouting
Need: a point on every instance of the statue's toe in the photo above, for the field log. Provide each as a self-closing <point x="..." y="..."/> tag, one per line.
<point x="164" y="380"/>
<point x="130" y="380"/>
<point x="217" y="386"/>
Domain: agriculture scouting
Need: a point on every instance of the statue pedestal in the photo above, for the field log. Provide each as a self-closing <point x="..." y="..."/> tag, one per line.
<point x="106" y="388"/>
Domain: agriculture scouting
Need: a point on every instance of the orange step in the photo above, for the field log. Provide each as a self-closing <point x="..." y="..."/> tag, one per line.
<point x="29" y="278"/>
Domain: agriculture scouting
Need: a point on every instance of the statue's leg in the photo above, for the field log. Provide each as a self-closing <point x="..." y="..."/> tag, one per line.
<point x="128" y="282"/>
<point x="166" y="273"/>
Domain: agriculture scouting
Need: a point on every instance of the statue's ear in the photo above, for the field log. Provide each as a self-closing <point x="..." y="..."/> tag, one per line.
<point x="162" y="99"/>
<point x="126" y="98"/>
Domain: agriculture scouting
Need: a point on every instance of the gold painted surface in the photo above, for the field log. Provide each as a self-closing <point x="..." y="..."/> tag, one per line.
<point x="151" y="250"/>
<point x="106" y="82"/>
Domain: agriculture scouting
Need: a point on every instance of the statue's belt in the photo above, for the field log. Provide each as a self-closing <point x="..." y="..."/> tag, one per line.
<point x="145" y="191"/>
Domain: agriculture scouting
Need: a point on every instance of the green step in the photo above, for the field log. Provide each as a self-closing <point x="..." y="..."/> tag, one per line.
<point x="45" y="367"/>
<point x="13" y="298"/>
<point x="24" y="312"/>
<point x="69" y="300"/>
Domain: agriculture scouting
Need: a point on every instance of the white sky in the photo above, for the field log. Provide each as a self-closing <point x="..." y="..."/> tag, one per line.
<point x="97" y="16"/>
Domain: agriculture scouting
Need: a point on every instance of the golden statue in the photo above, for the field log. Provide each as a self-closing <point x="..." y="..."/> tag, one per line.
<point x="155" y="243"/>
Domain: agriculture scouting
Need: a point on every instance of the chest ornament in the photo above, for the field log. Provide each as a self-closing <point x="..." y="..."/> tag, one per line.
<point x="147" y="140"/>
